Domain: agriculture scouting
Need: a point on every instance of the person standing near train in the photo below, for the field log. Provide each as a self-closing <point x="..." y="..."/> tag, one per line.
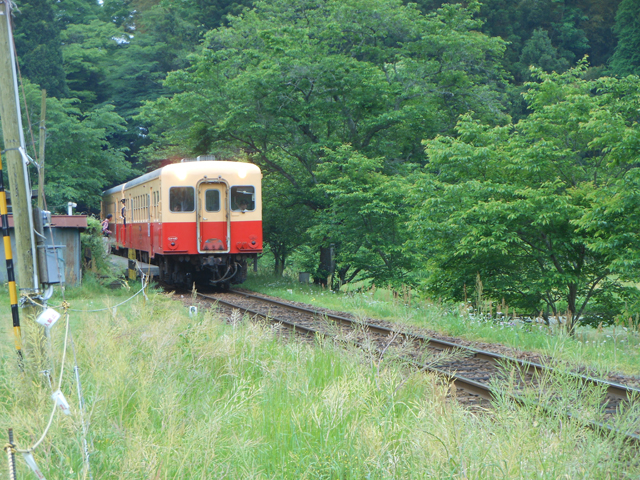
<point x="123" y="212"/>
<point x="106" y="233"/>
<point x="105" y="226"/>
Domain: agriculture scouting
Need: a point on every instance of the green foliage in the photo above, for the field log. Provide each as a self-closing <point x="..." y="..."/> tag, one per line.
<point x="121" y="55"/>
<point x="88" y="53"/>
<point x="289" y="83"/>
<point x="366" y="220"/>
<point x="332" y="99"/>
<point x="574" y="28"/>
<point x="38" y="46"/>
<point x="91" y="239"/>
<point x="80" y="162"/>
<point x="285" y="220"/>
<point x="75" y="12"/>
<point x="539" y="52"/>
<point x="626" y="59"/>
<point x="520" y="204"/>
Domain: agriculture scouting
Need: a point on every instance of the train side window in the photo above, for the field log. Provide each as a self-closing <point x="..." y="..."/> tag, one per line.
<point x="243" y="198"/>
<point x="212" y="200"/>
<point x="182" y="199"/>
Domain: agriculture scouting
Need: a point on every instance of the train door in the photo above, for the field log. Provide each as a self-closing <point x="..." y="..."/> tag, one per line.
<point x="212" y="218"/>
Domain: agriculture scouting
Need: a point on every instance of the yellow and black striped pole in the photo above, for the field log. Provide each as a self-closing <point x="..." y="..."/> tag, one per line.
<point x="133" y="274"/>
<point x="11" y="278"/>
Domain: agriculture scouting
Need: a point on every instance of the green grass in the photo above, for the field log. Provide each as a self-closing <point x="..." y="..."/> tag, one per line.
<point x="604" y="351"/>
<point x="173" y="397"/>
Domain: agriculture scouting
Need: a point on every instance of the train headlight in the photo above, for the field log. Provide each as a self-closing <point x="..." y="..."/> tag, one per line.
<point x="181" y="174"/>
<point x="242" y="172"/>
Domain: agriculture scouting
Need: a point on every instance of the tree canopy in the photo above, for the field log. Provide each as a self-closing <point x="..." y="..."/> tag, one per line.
<point x="289" y="84"/>
<point x="530" y="206"/>
<point x="626" y="58"/>
<point x="412" y="141"/>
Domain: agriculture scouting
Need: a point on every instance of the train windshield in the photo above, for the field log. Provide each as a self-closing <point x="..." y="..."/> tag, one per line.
<point x="243" y="198"/>
<point x="182" y="199"/>
<point x="212" y="200"/>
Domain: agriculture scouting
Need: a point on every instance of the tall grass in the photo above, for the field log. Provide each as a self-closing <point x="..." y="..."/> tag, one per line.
<point x="604" y="350"/>
<point x="174" y="397"/>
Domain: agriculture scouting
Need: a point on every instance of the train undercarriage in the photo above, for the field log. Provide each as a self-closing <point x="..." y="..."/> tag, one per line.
<point x="183" y="270"/>
<point x="221" y="270"/>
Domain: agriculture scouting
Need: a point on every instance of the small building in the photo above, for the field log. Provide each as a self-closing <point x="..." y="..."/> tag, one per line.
<point x="66" y="233"/>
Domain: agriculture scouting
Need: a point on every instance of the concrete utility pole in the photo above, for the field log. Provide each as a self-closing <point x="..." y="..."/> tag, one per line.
<point x="25" y="258"/>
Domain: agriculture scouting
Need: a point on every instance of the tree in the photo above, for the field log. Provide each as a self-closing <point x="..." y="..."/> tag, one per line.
<point x="367" y="217"/>
<point x="289" y="82"/>
<point x="74" y="12"/>
<point x="37" y="39"/>
<point x="285" y="220"/>
<point x="88" y="53"/>
<point x="538" y="51"/>
<point x="626" y="58"/>
<point x="520" y="204"/>
<point x="80" y="161"/>
<point x="575" y="28"/>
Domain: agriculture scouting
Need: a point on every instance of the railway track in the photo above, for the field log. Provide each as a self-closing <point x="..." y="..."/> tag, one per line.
<point x="476" y="374"/>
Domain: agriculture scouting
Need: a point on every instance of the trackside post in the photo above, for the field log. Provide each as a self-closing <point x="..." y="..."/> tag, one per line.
<point x="132" y="264"/>
<point x="13" y="290"/>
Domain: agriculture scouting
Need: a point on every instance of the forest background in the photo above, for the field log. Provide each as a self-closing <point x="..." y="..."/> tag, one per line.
<point x="430" y="144"/>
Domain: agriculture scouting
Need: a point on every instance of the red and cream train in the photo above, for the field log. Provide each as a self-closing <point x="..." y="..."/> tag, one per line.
<point x="199" y="221"/>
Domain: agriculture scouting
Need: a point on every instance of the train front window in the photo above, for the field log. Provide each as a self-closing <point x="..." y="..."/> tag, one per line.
<point x="182" y="199"/>
<point x="212" y="200"/>
<point x="243" y="199"/>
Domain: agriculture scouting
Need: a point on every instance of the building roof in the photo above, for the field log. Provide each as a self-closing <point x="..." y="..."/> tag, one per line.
<point x="62" y="221"/>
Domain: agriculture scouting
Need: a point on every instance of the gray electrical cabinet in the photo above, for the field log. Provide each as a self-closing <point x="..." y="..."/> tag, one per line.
<point x="54" y="255"/>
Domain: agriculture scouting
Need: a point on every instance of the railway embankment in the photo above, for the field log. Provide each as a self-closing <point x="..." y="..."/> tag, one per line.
<point x="213" y="394"/>
<point x="610" y="352"/>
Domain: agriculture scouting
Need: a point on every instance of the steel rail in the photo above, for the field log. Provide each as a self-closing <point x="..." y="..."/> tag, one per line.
<point x="461" y="382"/>
<point x="464" y="383"/>
<point x="613" y="389"/>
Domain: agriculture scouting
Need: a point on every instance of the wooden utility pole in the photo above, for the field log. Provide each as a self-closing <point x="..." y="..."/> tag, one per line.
<point x="43" y="139"/>
<point x="16" y="168"/>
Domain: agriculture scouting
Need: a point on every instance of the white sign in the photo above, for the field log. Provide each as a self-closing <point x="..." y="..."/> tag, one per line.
<point x="61" y="402"/>
<point x="48" y="318"/>
<point x="32" y="464"/>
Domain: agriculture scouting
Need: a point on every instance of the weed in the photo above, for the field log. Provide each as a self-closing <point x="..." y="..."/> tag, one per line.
<point x="608" y="349"/>
<point x="169" y="396"/>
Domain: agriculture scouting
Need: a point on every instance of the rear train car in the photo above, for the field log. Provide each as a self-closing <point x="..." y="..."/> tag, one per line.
<point x="199" y="221"/>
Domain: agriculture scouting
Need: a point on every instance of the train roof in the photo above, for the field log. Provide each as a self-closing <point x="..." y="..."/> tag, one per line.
<point x="210" y="167"/>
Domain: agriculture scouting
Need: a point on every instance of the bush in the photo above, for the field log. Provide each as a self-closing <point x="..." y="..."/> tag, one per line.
<point x="93" y="246"/>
